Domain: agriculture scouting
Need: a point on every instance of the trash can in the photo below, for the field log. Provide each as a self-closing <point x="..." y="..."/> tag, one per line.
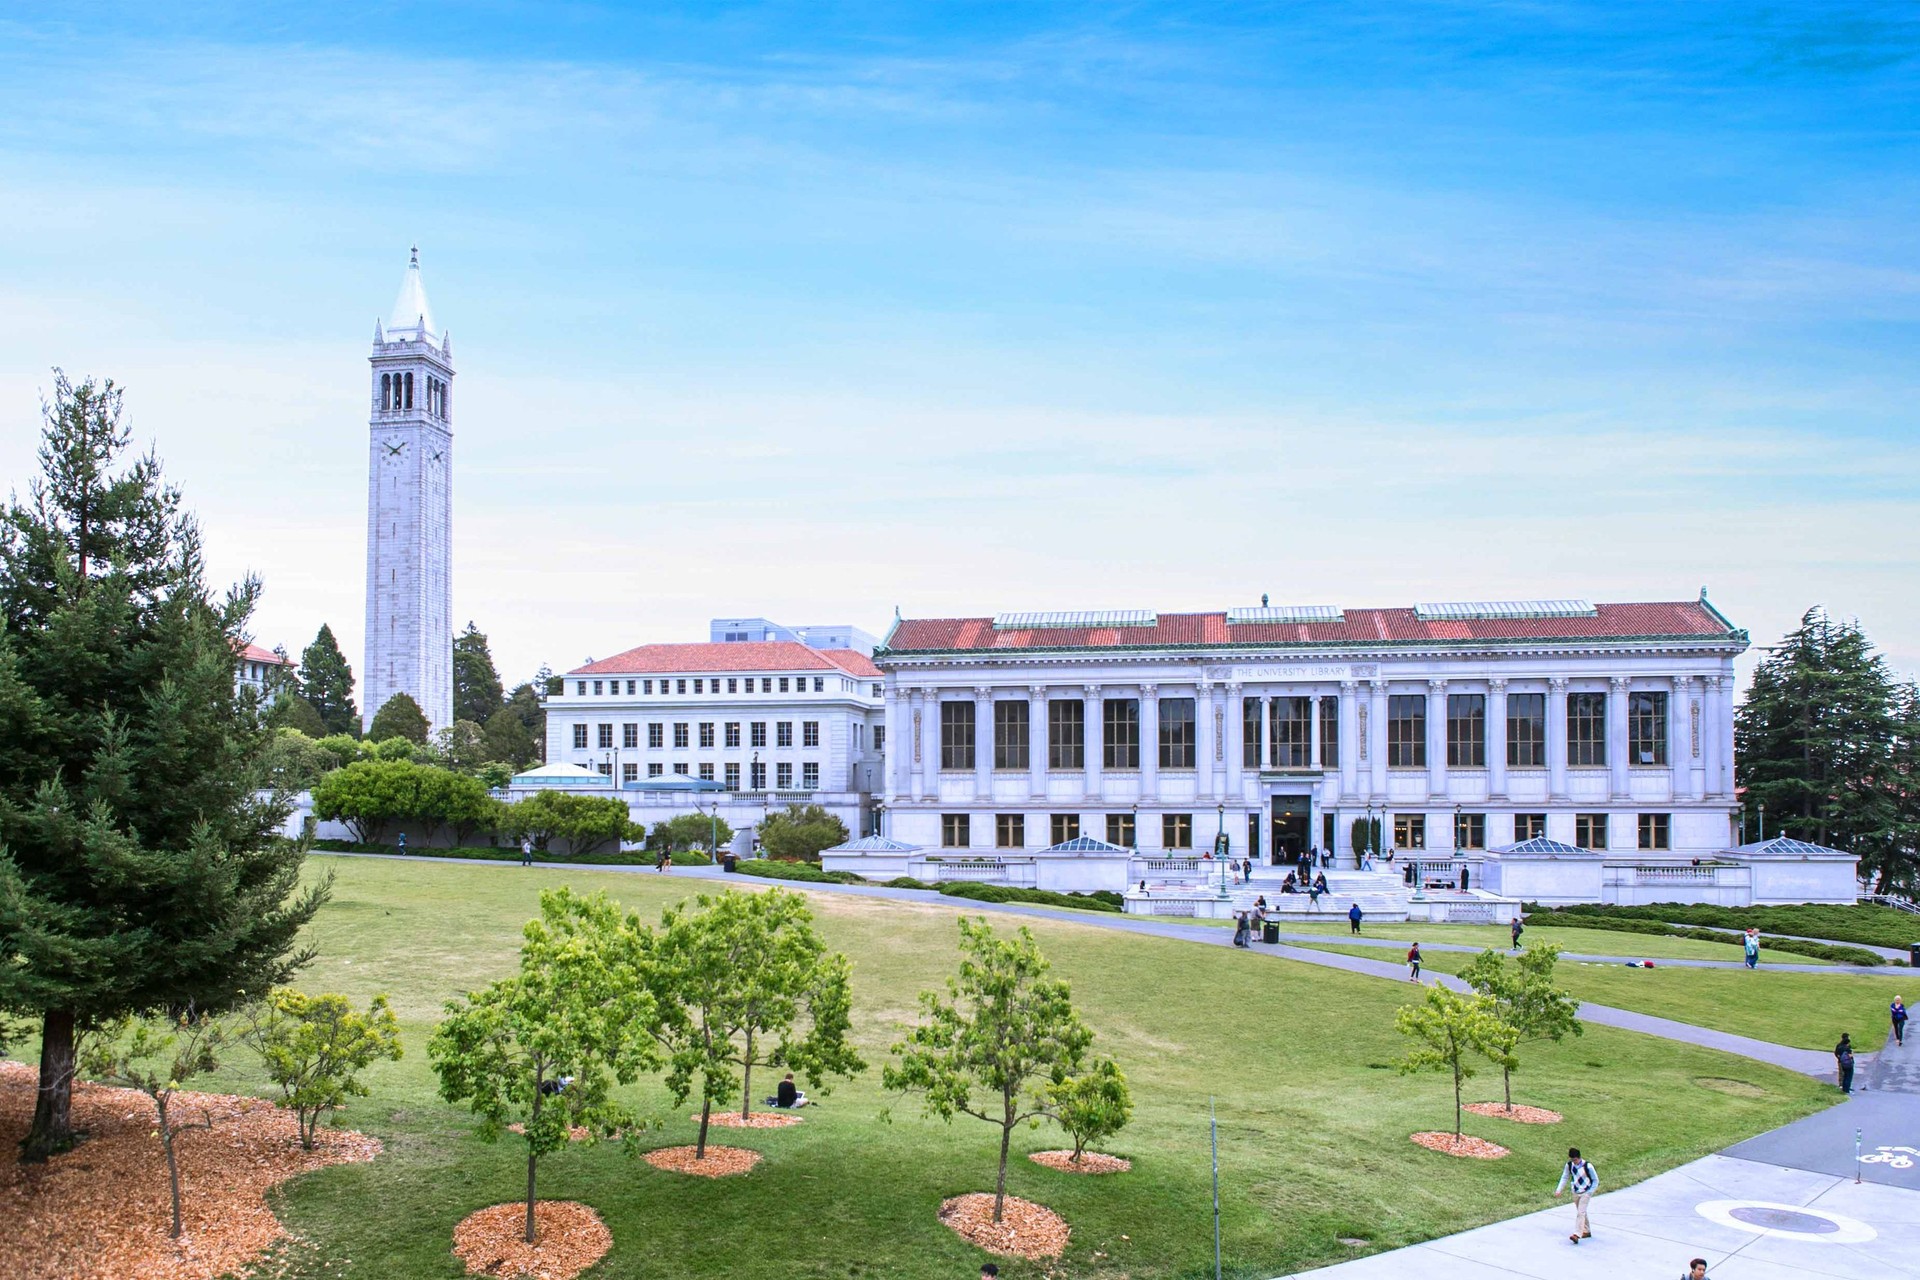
<point x="1270" y="931"/>
<point x="728" y="862"/>
<point x="1913" y="954"/>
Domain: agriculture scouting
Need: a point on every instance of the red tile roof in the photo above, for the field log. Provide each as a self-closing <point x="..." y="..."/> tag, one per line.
<point x="758" y="655"/>
<point x="1684" y="619"/>
<point x="254" y="653"/>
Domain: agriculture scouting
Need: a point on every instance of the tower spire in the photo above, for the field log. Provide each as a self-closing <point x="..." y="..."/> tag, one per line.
<point x="411" y="315"/>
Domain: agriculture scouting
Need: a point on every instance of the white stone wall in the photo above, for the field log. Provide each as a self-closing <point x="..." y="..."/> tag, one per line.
<point x="409" y="641"/>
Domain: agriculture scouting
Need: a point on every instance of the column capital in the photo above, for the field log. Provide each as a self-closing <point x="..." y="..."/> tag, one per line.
<point x="1619" y="683"/>
<point x="1437" y="684"/>
<point x="981" y="692"/>
<point x="1497" y="684"/>
<point x="1148" y="688"/>
<point x="1036" y="691"/>
<point x="1348" y="686"/>
<point x="1557" y="684"/>
<point x="1091" y="690"/>
<point x="1378" y="684"/>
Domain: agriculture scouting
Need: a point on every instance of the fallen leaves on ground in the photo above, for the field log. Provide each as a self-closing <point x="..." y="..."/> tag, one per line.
<point x="1519" y="1114"/>
<point x="575" y="1133"/>
<point x="719" y="1162"/>
<point x="1025" y="1229"/>
<point x="758" y="1120"/>
<point x="568" y="1238"/>
<point x="101" y="1211"/>
<point x="1089" y="1162"/>
<point x="1465" y="1144"/>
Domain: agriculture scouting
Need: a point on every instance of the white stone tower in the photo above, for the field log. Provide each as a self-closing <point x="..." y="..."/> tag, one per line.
<point x="410" y="511"/>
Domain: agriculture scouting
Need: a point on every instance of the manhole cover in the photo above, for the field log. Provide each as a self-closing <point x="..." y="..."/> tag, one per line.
<point x="1784" y="1220"/>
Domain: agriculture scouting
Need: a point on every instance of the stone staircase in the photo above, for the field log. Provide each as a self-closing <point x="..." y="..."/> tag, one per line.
<point x="1382" y="895"/>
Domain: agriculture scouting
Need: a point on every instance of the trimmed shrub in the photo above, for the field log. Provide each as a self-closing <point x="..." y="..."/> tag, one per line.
<point x="974" y="891"/>
<point x="773" y="869"/>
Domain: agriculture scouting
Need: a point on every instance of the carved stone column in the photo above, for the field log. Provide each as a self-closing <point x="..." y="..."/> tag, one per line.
<point x="1557" y="737"/>
<point x="1037" y="741"/>
<point x="1496" y="738"/>
<point x="1437" y="739"/>
<point x="1617" y="762"/>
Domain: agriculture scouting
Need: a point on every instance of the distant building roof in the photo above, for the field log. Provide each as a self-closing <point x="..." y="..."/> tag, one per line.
<point x="1424" y="624"/>
<point x="560" y="774"/>
<point x="873" y="844"/>
<point x="1788" y="847"/>
<point x="756" y="656"/>
<point x="1540" y="846"/>
<point x="254" y="653"/>
<point x="1087" y="844"/>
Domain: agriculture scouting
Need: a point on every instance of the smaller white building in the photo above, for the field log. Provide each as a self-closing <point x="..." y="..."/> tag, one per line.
<point x="260" y="669"/>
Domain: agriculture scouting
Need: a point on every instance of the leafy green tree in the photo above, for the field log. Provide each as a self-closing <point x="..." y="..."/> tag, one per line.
<point x="507" y="740"/>
<point x="138" y="868"/>
<point x="461" y="746"/>
<point x="291" y="711"/>
<point x="1815" y="741"/>
<point x="743" y="980"/>
<point x="1452" y="1030"/>
<point x="546" y="1046"/>
<point x="1093" y="1105"/>
<point x="494" y="775"/>
<point x="314" y="1048"/>
<point x="586" y="823"/>
<point x="326" y="682"/>
<point x="401" y="717"/>
<point x="799" y="832"/>
<point x="372" y="794"/>
<point x="292" y="762"/>
<point x="157" y="1056"/>
<point x="345" y="749"/>
<point x="992" y="1048"/>
<point x="688" y="831"/>
<point x="1525" y="998"/>
<point x="476" y="684"/>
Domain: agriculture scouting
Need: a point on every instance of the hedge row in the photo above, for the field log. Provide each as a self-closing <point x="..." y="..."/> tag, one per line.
<point x="1865" y="922"/>
<point x="1583" y="917"/>
<point x="494" y="853"/>
<point x="773" y="869"/>
<point x="1104" y="900"/>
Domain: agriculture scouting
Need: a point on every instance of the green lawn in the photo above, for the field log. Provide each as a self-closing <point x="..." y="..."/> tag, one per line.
<point x="1807" y="1010"/>
<point x="1313" y="1119"/>
<point x="1593" y="942"/>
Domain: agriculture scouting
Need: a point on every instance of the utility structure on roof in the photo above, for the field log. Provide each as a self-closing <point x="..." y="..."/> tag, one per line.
<point x="410" y="510"/>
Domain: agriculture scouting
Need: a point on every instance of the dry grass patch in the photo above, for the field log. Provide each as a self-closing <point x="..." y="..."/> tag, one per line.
<point x="568" y="1238"/>
<point x="758" y="1120"/>
<point x="1460" y="1144"/>
<point x="1089" y="1162"/>
<point x="719" y="1162"/>
<point x="1517" y="1113"/>
<point x="1025" y="1229"/>
<point x="101" y="1211"/>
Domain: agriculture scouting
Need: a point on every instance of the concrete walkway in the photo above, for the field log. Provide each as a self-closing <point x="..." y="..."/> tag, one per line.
<point x="1326" y="939"/>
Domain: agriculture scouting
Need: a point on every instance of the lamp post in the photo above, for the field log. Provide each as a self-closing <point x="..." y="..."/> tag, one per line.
<point x="1133" y="831"/>
<point x="1220" y="848"/>
<point x="1763" y="824"/>
<point x="880" y="817"/>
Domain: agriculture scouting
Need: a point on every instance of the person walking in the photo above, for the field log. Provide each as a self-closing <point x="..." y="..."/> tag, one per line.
<point x="402" y="842"/>
<point x="1354" y="915"/>
<point x="1751" y="943"/>
<point x="1413" y="963"/>
<point x="1583" y="1180"/>
<point x="1898" y="1012"/>
<point x="1517" y="928"/>
<point x="526" y="851"/>
<point x="1246" y="867"/>
<point x="1843" y="1058"/>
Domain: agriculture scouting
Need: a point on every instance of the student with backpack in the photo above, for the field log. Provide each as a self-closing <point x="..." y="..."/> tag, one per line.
<point x="1897" y="1011"/>
<point x="1413" y="963"/>
<point x="1583" y="1179"/>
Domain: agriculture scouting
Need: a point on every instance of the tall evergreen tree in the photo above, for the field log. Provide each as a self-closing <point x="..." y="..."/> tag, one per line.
<point x="326" y="681"/>
<point x="1814" y="739"/>
<point x="476" y="684"/>
<point x="401" y="717"/>
<point x="138" y="870"/>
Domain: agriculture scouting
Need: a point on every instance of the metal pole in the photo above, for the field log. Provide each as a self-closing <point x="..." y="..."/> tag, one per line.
<point x="1856" y="1156"/>
<point x="1213" y="1135"/>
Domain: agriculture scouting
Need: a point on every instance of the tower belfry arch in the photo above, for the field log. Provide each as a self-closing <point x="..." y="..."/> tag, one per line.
<point x="410" y="509"/>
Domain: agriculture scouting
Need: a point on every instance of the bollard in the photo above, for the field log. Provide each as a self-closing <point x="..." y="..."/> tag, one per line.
<point x="1856" y="1157"/>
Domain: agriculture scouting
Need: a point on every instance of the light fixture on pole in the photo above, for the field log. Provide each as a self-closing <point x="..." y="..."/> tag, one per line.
<point x="1133" y="830"/>
<point x="1220" y="847"/>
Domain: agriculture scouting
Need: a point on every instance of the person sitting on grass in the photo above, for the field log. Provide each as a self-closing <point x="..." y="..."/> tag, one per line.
<point x="787" y="1095"/>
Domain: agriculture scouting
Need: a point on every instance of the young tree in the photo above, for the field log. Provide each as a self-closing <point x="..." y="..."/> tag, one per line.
<point x="292" y="762"/>
<point x="141" y="871"/>
<point x="476" y="684"/>
<point x="326" y="681"/>
<point x="344" y="749"/>
<point x="1005" y="1030"/>
<point x="371" y="794"/>
<point x="1523" y="996"/>
<point x="743" y="980"/>
<point x="546" y="1046"/>
<point x="586" y="823"/>
<point x="401" y="717"/>
<point x="461" y="747"/>
<point x="689" y="831"/>
<point x="1452" y="1029"/>
<point x="313" y="1047"/>
<point x="800" y="832"/>
<point x="1093" y="1105"/>
<point x="157" y="1056"/>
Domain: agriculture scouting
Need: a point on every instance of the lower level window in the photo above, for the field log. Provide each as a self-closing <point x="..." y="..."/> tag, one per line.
<point x="1120" y="829"/>
<point x="1176" y="831"/>
<point x="1066" y="826"/>
<point x="1409" y="830"/>
<point x="655" y="770"/>
<point x="955" y="830"/>
<point x="1469" y="830"/>
<point x="605" y="768"/>
<point x="1656" y="831"/>
<point x="680" y="769"/>
<point x="732" y="775"/>
<point x="757" y="776"/>
<point x="629" y="773"/>
<point x="1528" y="825"/>
<point x="783" y="776"/>
<point x="1590" y="830"/>
<point x="810" y="775"/>
<point x="706" y="773"/>
<point x="1010" y="830"/>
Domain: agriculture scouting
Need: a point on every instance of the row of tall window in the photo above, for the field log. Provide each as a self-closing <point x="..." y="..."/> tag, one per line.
<point x="1290" y="732"/>
<point x="396" y="392"/>
<point x="709" y="685"/>
<point x="1590" y="830"/>
<point x="782" y="774"/>
<point x="683" y="733"/>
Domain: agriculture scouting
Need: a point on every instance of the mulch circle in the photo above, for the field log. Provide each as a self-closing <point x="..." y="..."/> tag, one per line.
<point x="568" y="1238"/>
<point x="758" y="1120"/>
<point x="1089" y="1162"/>
<point x="1464" y="1145"/>
<point x="1519" y="1114"/>
<point x="720" y="1162"/>
<point x="101" y="1211"/>
<point x="1025" y="1229"/>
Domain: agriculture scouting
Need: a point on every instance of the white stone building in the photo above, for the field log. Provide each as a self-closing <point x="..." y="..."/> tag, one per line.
<point x="768" y="723"/>
<point x="1461" y="728"/>
<point x="259" y="669"/>
<point x="410" y="511"/>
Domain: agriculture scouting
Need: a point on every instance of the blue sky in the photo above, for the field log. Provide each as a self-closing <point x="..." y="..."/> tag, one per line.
<point x="813" y="312"/>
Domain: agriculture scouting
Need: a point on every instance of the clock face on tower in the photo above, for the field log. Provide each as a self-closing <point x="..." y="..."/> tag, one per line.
<point x="394" y="448"/>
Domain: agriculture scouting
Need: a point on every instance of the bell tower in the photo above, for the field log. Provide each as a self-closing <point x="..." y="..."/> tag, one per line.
<point x="410" y="511"/>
